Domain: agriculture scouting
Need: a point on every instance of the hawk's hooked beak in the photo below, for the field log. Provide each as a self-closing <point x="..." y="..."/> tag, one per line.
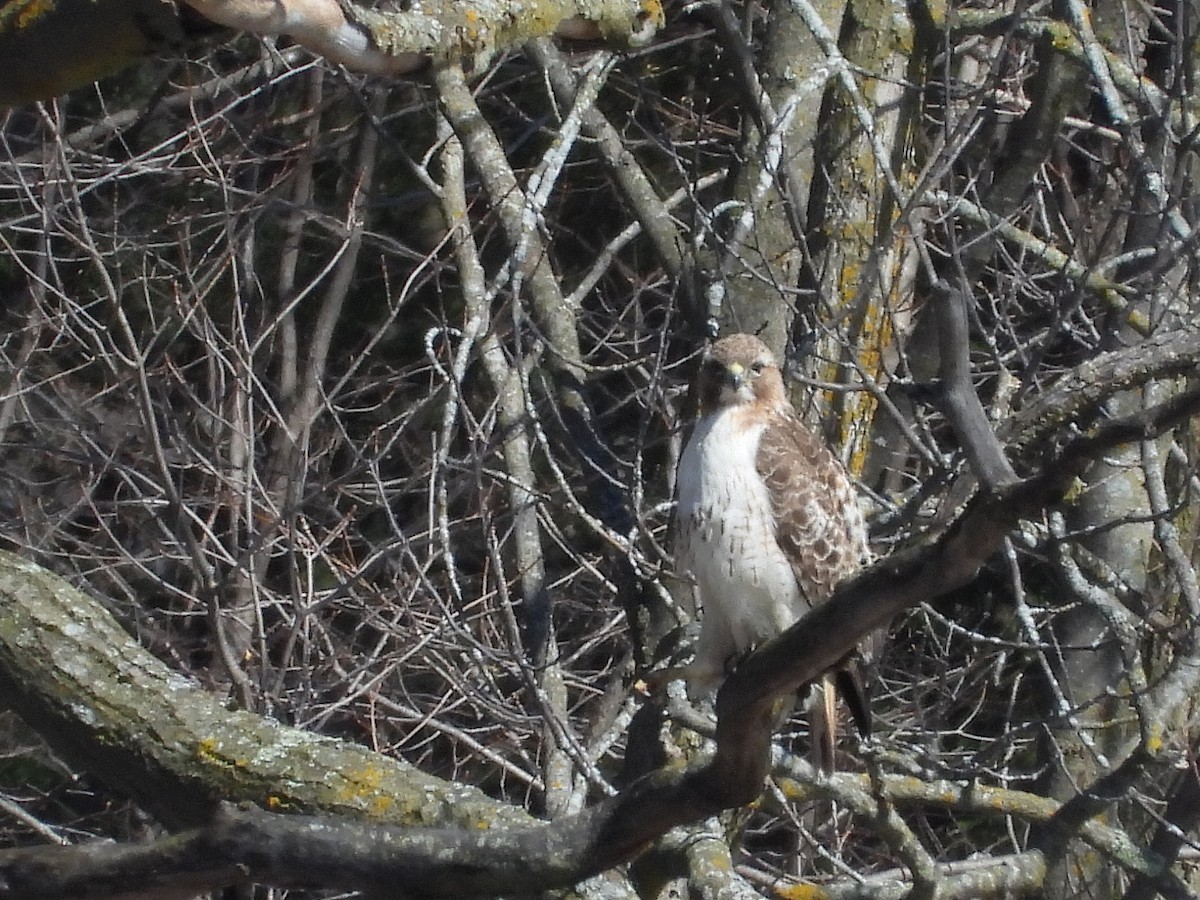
<point x="734" y="380"/>
<point x="735" y="375"/>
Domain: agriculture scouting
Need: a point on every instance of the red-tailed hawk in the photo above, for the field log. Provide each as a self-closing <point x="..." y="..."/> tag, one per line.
<point x="767" y="523"/>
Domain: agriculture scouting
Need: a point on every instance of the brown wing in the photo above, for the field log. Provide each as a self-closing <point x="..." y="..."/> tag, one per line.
<point x="821" y="531"/>
<point x="818" y="524"/>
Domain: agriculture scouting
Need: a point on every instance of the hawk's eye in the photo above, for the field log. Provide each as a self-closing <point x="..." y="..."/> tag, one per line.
<point x="757" y="367"/>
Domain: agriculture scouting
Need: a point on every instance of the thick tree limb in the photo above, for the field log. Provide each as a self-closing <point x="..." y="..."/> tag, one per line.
<point x="962" y="406"/>
<point x="93" y="692"/>
<point x="1001" y="877"/>
<point x="382" y="42"/>
<point x="48" y="48"/>
<point x="1077" y="399"/>
<point x="969" y="797"/>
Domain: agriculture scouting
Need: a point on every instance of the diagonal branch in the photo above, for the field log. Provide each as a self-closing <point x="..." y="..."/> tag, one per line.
<point x="962" y="406"/>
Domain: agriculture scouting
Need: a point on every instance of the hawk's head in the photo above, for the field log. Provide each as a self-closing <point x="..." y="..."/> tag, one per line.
<point x="737" y="370"/>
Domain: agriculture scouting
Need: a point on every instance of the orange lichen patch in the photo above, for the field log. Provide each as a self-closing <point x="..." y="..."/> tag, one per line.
<point x="801" y="891"/>
<point x="876" y="334"/>
<point x="363" y="788"/>
<point x="1154" y="739"/>
<point x="209" y="751"/>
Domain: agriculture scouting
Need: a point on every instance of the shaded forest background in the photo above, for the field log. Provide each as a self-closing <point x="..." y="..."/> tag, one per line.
<point x="358" y="401"/>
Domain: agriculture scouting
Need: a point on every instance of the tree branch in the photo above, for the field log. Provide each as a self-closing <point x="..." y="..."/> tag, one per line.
<point x="962" y="406"/>
<point x="51" y="48"/>
<point x="395" y="42"/>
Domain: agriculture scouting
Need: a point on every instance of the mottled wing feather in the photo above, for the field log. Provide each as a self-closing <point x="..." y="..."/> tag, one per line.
<point x="821" y="531"/>
<point x="818" y="525"/>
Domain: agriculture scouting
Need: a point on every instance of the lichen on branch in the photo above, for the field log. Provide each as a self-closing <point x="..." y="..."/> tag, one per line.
<point x="389" y="41"/>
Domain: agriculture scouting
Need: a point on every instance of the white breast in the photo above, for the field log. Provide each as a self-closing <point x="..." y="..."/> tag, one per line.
<point x="726" y="541"/>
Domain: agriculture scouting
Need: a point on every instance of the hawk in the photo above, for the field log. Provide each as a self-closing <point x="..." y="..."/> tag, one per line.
<point x="767" y="524"/>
